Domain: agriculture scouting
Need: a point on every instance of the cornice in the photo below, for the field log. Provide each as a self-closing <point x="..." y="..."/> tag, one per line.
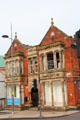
<point x="51" y="45"/>
<point x="14" y="55"/>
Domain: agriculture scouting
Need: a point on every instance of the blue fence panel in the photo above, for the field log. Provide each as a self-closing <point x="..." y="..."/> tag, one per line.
<point x="16" y="101"/>
<point x="79" y="86"/>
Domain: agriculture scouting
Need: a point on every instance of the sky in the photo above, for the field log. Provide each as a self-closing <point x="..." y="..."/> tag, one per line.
<point x="31" y="19"/>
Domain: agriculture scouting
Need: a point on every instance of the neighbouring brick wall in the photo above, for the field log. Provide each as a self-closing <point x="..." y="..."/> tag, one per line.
<point x="72" y="66"/>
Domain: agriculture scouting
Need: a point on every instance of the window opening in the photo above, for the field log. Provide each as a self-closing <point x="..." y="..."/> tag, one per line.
<point x="50" y="60"/>
<point x="58" y="60"/>
<point x="17" y="66"/>
<point x="35" y="83"/>
<point x="35" y="64"/>
<point x="21" y="67"/>
<point x="35" y="60"/>
<point x="30" y="65"/>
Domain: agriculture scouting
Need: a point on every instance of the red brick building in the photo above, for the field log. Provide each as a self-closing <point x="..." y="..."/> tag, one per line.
<point x="50" y="68"/>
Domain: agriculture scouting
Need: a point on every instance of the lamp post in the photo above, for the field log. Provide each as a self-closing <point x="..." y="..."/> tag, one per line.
<point x="40" y="110"/>
<point x="12" y="65"/>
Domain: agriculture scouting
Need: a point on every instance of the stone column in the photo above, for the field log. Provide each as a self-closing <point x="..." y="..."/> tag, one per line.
<point x="60" y="58"/>
<point x="41" y="64"/>
<point x="55" y="62"/>
<point x="63" y="59"/>
<point x="19" y="68"/>
<point x="44" y="93"/>
<point x="61" y="55"/>
<point x="63" y="94"/>
<point x="20" y="94"/>
<point x="45" y="62"/>
<point x="51" y="83"/>
<point x="33" y="65"/>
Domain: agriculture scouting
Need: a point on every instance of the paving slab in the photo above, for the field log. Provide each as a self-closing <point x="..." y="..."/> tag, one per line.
<point x="35" y="114"/>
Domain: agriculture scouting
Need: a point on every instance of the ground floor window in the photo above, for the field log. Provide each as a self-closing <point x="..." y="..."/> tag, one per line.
<point x="52" y="93"/>
<point x="48" y="100"/>
<point x="16" y="94"/>
<point x="57" y="94"/>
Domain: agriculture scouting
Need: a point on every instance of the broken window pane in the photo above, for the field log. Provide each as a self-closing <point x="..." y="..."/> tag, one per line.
<point x="57" y="59"/>
<point x="35" y="64"/>
<point x="50" y="60"/>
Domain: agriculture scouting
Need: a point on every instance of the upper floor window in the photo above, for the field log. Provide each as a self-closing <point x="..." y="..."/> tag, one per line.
<point x="35" y="60"/>
<point x="62" y="59"/>
<point x="50" y="60"/>
<point x="42" y="62"/>
<point x="30" y="65"/>
<point x="17" y="66"/>
<point x="35" y="64"/>
<point x="21" y="67"/>
<point x="58" y="59"/>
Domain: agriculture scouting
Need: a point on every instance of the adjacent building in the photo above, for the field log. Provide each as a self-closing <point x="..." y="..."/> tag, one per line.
<point x="48" y="73"/>
<point x="2" y="82"/>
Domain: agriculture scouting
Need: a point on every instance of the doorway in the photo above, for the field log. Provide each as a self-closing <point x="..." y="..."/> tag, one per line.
<point x="34" y="94"/>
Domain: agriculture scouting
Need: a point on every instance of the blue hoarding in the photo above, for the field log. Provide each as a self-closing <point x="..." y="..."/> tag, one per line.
<point x="79" y="86"/>
<point x="16" y="101"/>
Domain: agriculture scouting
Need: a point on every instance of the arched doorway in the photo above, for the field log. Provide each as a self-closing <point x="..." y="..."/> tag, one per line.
<point x="34" y="93"/>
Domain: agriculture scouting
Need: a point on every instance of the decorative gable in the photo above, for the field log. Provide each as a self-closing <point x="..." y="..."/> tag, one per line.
<point x="17" y="47"/>
<point x="54" y="35"/>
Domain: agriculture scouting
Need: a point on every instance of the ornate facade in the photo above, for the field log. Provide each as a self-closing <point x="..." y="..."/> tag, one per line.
<point x="47" y="73"/>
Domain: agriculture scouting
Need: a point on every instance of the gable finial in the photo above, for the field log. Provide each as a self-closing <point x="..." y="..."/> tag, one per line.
<point x="15" y="35"/>
<point x="52" y="22"/>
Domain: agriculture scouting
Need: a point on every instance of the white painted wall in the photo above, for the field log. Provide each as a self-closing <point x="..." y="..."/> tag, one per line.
<point x="2" y="85"/>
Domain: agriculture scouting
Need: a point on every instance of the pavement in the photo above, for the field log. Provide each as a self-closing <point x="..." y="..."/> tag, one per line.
<point x="35" y="114"/>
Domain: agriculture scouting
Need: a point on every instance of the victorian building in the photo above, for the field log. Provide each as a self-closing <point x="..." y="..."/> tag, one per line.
<point x="47" y="73"/>
<point x="15" y="74"/>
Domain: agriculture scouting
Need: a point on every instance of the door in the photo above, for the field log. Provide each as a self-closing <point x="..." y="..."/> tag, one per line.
<point x="34" y="96"/>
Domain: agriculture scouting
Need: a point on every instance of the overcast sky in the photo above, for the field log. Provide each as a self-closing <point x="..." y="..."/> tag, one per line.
<point x="31" y="19"/>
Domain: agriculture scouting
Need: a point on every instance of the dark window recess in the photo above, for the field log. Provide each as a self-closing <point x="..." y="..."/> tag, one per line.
<point x="50" y="60"/>
<point x="25" y="99"/>
<point x="31" y="65"/>
<point x="34" y="83"/>
<point x="35" y="60"/>
<point x="58" y="60"/>
<point x="31" y="69"/>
